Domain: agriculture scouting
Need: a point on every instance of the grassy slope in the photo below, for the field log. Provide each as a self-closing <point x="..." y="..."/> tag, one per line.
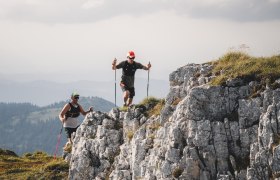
<point x="32" y="166"/>
<point x="241" y="65"/>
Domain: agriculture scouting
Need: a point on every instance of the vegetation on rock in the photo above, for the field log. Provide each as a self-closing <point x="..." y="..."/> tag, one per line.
<point x="241" y="65"/>
<point x="153" y="105"/>
<point x="37" y="165"/>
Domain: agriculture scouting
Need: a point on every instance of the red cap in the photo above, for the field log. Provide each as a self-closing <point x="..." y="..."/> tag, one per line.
<point x="131" y="54"/>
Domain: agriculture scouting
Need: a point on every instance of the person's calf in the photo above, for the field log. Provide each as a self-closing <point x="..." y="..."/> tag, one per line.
<point x="129" y="101"/>
<point x="126" y="94"/>
<point x="126" y="97"/>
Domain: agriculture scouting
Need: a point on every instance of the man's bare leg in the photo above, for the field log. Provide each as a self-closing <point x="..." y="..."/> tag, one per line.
<point x="125" y="97"/>
<point x="130" y="101"/>
<point x="68" y="144"/>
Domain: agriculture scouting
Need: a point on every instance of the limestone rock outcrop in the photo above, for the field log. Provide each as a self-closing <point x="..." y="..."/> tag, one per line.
<point x="204" y="132"/>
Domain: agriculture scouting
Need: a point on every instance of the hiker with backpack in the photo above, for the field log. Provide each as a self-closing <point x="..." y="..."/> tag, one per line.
<point x="129" y="68"/>
<point x="69" y="117"/>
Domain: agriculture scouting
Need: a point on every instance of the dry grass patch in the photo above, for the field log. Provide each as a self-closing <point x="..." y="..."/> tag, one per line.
<point x="130" y="134"/>
<point x="36" y="165"/>
<point x="176" y="101"/>
<point x="153" y="105"/>
<point x="154" y="126"/>
<point x="241" y="65"/>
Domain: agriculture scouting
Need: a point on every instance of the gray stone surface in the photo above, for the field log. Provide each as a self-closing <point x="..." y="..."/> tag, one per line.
<point x="204" y="132"/>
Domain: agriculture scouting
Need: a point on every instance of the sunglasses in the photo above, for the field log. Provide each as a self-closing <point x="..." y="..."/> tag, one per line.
<point x="131" y="57"/>
<point x="76" y="97"/>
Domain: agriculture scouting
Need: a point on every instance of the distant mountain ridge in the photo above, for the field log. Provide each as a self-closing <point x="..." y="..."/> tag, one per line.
<point x="42" y="93"/>
<point x="26" y="127"/>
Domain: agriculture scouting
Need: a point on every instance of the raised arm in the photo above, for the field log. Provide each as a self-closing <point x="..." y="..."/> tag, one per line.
<point x="114" y="64"/>
<point x="147" y="67"/>
<point x="85" y="112"/>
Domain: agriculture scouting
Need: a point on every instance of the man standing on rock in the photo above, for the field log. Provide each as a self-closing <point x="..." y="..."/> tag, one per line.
<point x="69" y="117"/>
<point x="129" y="68"/>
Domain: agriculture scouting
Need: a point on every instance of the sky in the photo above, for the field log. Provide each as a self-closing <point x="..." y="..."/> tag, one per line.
<point x="71" y="40"/>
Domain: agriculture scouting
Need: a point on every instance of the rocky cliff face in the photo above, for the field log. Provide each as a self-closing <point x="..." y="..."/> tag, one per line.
<point x="204" y="132"/>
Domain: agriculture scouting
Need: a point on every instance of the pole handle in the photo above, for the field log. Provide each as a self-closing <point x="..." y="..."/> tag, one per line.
<point x="115" y="86"/>
<point x="148" y="83"/>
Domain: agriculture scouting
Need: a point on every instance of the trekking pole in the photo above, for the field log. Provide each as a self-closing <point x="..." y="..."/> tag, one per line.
<point x="58" y="141"/>
<point x="148" y="82"/>
<point x="115" y="87"/>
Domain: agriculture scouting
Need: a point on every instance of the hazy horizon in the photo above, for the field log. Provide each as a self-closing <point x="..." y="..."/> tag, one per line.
<point x="77" y="40"/>
<point x="45" y="92"/>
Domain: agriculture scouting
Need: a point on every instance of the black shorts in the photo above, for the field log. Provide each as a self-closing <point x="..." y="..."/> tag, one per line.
<point x="131" y="91"/>
<point x="69" y="131"/>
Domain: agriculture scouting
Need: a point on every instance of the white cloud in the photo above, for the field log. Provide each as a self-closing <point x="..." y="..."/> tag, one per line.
<point x="80" y="11"/>
<point x="92" y="4"/>
<point x="211" y="2"/>
<point x="166" y="39"/>
<point x="274" y="1"/>
<point x="33" y="2"/>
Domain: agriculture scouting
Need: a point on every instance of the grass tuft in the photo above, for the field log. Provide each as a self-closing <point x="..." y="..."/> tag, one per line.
<point x="241" y="65"/>
<point x="154" y="126"/>
<point x="176" y="101"/>
<point x="130" y="134"/>
<point x="153" y="105"/>
<point x="150" y="101"/>
<point x="123" y="108"/>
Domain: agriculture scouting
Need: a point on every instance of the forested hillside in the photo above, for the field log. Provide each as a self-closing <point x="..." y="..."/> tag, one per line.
<point x="26" y="128"/>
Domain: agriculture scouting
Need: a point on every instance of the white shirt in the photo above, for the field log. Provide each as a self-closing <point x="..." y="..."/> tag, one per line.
<point x="71" y="122"/>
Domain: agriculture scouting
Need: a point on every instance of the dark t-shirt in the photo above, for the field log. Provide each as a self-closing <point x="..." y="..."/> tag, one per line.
<point x="128" y="72"/>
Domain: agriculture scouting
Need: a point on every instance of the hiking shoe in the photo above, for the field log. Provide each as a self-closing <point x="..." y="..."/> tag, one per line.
<point x="64" y="155"/>
<point x="131" y="105"/>
<point x="67" y="147"/>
